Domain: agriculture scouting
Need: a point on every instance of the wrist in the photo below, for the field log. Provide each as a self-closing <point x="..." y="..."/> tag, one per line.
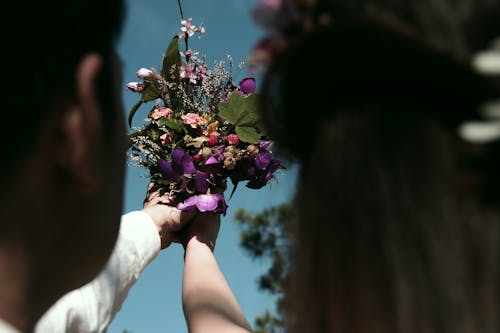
<point x="196" y="240"/>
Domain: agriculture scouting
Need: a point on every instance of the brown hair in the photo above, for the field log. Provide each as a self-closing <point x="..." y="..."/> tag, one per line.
<point x="398" y="221"/>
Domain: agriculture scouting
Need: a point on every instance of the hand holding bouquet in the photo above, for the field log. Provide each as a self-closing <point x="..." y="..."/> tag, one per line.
<point x="201" y="130"/>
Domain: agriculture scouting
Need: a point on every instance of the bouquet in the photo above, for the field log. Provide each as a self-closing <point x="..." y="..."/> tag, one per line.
<point x="202" y="128"/>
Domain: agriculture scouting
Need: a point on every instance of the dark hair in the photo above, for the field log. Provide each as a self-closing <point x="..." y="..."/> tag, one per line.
<point x="457" y="27"/>
<point x="44" y="41"/>
<point x="398" y="221"/>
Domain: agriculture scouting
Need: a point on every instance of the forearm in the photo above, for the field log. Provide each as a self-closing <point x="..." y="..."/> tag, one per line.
<point x="208" y="302"/>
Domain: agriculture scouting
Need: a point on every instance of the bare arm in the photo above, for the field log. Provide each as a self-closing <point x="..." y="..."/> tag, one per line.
<point x="208" y="302"/>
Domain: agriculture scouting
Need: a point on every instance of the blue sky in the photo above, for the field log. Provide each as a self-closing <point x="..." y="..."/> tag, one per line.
<point x="154" y="303"/>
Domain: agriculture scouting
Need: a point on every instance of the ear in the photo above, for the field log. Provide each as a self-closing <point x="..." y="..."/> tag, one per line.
<point x="80" y="127"/>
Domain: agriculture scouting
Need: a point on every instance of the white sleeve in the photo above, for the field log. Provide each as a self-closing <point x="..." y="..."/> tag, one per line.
<point x="92" y="307"/>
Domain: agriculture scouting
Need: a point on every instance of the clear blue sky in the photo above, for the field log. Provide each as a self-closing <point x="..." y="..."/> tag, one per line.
<point x="154" y="303"/>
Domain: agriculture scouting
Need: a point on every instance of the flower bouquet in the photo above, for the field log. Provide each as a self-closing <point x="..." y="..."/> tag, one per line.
<point x="201" y="130"/>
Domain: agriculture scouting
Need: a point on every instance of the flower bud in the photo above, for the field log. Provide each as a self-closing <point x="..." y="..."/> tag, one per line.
<point x="206" y="152"/>
<point x="253" y="151"/>
<point x="233" y="139"/>
<point x="231" y="149"/>
<point x="198" y="157"/>
<point x="188" y="138"/>
<point x="213" y="140"/>
<point x="230" y="163"/>
<point x="144" y="73"/>
<point x="228" y="154"/>
<point x="247" y="86"/>
<point x="166" y="139"/>
<point x="135" y="86"/>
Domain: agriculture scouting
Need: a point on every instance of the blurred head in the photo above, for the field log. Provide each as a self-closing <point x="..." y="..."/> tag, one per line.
<point x="62" y="171"/>
<point x="398" y="214"/>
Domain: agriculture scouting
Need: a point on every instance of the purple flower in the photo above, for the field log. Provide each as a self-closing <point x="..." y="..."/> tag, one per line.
<point x="263" y="159"/>
<point x="264" y="176"/>
<point x="182" y="165"/>
<point x="247" y="86"/>
<point x="205" y="203"/>
<point x="201" y="181"/>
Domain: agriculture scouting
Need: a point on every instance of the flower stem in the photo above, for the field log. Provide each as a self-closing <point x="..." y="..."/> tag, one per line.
<point x="180" y="9"/>
<point x="182" y="18"/>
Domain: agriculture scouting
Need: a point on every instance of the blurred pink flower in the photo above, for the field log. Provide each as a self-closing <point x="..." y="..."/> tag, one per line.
<point x="266" y="12"/>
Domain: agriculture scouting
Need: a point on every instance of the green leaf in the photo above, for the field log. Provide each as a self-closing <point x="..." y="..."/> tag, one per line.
<point x="248" y="134"/>
<point x="239" y="110"/>
<point x="133" y="111"/>
<point x="171" y="58"/>
<point x="171" y="123"/>
<point x="151" y="89"/>
<point x="242" y="113"/>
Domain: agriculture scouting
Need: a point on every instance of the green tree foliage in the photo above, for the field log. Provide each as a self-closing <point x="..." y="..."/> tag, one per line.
<point x="265" y="236"/>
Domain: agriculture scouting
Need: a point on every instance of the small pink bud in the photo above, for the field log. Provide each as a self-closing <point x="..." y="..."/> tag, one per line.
<point x="144" y="72"/>
<point x="213" y="140"/>
<point x="233" y="139"/>
<point x="135" y="86"/>
<point x="198" y="158"/>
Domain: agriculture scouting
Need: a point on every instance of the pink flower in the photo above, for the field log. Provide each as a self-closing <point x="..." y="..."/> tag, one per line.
<point x="188" y="29"/>
<point x="160" y="112"/>
<point x="192" y="119"/>
<point x="213" y="140"/>
<point x="233" y="139"/>
<point x="144" y="72"/>
<point x="135" y="86"/>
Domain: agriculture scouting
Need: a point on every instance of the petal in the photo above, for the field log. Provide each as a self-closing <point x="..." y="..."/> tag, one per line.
<point x="212" y="160"/>
<point x="201" y="181"/>
<point x="188" y="165"/>
<point x="247" y="85"/>
<point x="167" y="171"/>
<point x="263" y="159"/>
<point x="182" y="162"/>
<point x="221" y="206"/>
<point x="207" y="202"/>
<point x="189" y="204"/>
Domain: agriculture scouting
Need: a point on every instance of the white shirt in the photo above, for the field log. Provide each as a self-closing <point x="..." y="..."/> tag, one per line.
<point x="7" y="328"/>
<point x="91" y="308"/>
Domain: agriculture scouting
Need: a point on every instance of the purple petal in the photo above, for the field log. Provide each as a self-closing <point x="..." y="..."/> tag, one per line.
<point x="212" y="160"/>
<point x="221" y="206"/>
<point x="189" y="204"/>
<point x="182" y="162"/>
<point x="264" y="144"/>
<point x="207" y="202"/>
<point x="167" y="171"/>
<point x="263" y="159"/>
<point x="247" y="85"/>
<point x="201" y="181"/>
<point x="274" y="165"/>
